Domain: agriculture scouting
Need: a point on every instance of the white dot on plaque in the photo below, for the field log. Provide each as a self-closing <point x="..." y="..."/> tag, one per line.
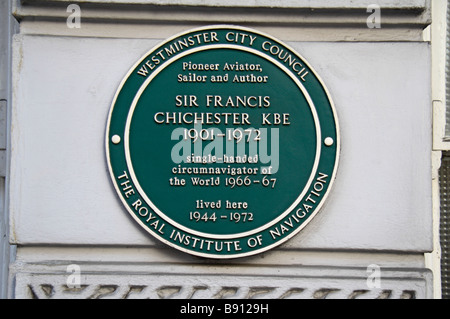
<point x="116" y="139"/>
<point x="329" y="141"/>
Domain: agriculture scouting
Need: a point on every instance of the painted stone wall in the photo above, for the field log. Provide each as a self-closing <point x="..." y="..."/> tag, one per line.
<point x="74" y="237"/>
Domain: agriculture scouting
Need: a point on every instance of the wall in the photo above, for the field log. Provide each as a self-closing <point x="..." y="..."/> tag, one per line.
<point x="6" y="29"/>
<point x="63" y="208"/>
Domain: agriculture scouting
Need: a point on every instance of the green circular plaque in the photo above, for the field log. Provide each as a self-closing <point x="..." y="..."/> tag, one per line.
<point x="222" y="142"/>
